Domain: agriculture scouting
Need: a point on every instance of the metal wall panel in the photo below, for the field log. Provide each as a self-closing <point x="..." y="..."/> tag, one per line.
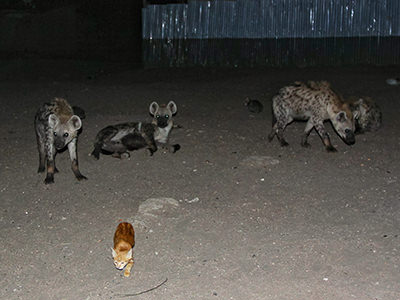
<point x="194" y="33"/>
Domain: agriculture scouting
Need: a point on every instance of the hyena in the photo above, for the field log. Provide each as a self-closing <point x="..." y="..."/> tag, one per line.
<point x="367" y="115"/>
<point x="56" y="127"/>
<point x="120" y="138"/>
<point x="314" y="102"/>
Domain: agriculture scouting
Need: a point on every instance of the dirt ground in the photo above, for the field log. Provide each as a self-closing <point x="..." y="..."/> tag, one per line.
<point x="229" y="216"/>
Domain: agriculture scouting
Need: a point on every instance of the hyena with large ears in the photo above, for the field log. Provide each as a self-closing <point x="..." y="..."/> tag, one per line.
<point x="56" y="127"/>
<point x="313" y="102"/>
<point x="162" y="119"/>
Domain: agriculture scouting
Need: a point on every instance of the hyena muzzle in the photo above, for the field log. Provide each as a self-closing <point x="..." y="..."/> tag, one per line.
<point x="57" y="127"/>
<point x="313" y="102"/>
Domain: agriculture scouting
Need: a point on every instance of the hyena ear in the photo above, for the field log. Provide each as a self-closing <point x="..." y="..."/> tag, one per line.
<point x="75" y="122"/>
<point x="114" y="254"/>
<point x="341" y="117"/>
<point x="172" y="106"/>
<point x="153" y="108"/>
<point x="129" y="254"/>
<point x="53" y="120"/>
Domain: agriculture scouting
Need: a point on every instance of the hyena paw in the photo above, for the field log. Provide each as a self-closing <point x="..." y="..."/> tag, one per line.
<point x="331" y="149"/>
<point x="56" y="170"/>
<point x="284" y="143"/>
<point x="81" y="177"/>
<point x="125" y="155"/>
<point x="175" y="148"/>
<point x="271" y="137"/>
<point x="49" y="180"/>
<point x="40" y="169"/>
<point x="305" y="144"/>
<point x="95" y="156"/>
<point x="151" y="151"/>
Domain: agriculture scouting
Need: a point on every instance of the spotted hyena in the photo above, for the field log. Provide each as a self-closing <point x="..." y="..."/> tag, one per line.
<point x="57" y="126"/>
<point x="119" y="139"/>
<point x="367" y="114"/>
<point x="313" y="102"/>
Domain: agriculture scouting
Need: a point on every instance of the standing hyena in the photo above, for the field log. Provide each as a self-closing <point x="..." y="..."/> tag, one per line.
<point x="121" y="138"/>
<point x="314" y="102"/>
<point x="56" y="127"/>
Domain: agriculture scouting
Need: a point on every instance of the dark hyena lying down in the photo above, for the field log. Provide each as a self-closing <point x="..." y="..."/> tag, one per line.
<point x="314" y="102"/>
<point x="56" y="127"/>
<point x="121" y="138"/>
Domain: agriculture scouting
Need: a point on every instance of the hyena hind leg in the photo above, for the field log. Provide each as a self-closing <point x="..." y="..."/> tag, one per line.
<point x="307" y="130"/>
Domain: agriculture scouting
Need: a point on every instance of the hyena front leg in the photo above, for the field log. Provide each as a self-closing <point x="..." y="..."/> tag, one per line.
<point x="51" y="155"/>
<point x="325" y="137"/>
<point x="42" y="154"/>
<point x="169" y="147"/>
<point x="74" y="159"/>
<point x="278" y="129"/>
<point x="151" y="144"/>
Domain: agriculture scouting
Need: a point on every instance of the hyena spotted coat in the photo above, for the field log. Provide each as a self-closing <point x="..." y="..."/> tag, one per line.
<point x="367" y="114"/>
<point x="121" y="138"/>
<point x="313" y="102"/>
<point x="56" y="127"/>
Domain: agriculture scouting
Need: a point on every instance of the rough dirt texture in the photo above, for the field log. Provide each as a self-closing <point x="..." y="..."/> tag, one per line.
<point x="229" y="216"/>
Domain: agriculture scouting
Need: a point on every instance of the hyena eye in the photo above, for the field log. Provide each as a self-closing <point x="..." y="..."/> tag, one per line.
<point x="66" y="134"/>
<point x="166" y="116"/>
<point x="157" y="116"/>
<point x="55" y="133"/>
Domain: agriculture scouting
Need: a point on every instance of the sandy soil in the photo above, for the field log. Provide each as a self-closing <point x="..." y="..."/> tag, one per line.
<point x="229" y="216"/>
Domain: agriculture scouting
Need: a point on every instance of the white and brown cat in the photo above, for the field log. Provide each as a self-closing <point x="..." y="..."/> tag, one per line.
<point x="124" y="240"/>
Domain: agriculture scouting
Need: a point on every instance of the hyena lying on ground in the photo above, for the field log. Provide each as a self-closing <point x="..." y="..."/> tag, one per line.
<point x="314" y="102"/>
<point x="121" y="138"/>
<point x="367" y="114"/>
<point x="56" y="127"/>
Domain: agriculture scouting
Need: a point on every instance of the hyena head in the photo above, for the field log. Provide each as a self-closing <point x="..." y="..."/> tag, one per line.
<point x="367" y="115"/>
<point x="63" y="133"/>
<point x="163" y="113"/>
<point x="122" y="258"/>
<point x="343" y="121"/>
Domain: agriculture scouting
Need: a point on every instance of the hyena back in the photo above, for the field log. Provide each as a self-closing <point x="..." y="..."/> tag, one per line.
<point x="119" y="139"/>
<point x="314" y="102"/>
<point x="56" y="127"/>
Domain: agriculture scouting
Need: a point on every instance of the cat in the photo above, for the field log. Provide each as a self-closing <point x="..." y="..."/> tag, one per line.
<point x="124" y="240"/>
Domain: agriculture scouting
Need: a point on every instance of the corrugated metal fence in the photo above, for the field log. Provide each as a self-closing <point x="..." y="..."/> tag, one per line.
<point x="272" y="32"/>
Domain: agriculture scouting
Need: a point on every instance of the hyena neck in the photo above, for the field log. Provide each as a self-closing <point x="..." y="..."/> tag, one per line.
<point x="161" y="134"/>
